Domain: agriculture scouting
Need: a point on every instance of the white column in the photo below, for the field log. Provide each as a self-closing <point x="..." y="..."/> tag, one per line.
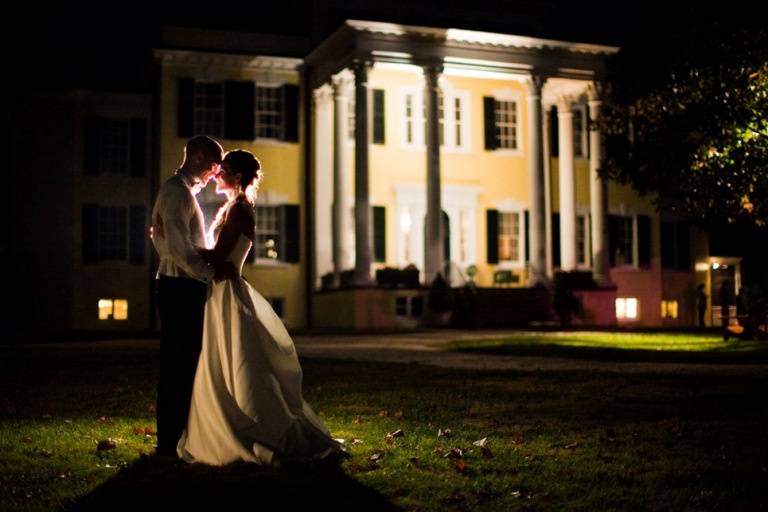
<point x="547" y="137"/>
<point x="434" y="236"/>
<point x="567" y="185"/>
<point x="323" y="173"/>
<point x="363" y="231"/>
<point x="536" y="187"/>
<point x="598" y="196"/>
<point x="342" y="256"/>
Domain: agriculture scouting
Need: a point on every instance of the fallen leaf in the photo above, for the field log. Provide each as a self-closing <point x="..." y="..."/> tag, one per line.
<point x="481" y="442"/>
<point x="144" y="431"/>
<point x="357" y="420"/>
<point x="396" y="433"/>
<point x="375" y="457"/>
<point x="105" y="419"/>
<point x="26" y="440"/>
<point x="356" y="442"/>
<point x="455" y="453"/>
<point x="45" y="453"/>
<point x="383" y="414"/>
<point x="439" y="451"/>
<point x="610" y="434"/>
<point x="571" y="446"/>
<point x="106" y="444"/>
<point x="68" y="422"/>
<point x="444" y="433"/>
<point x="460" y="466"/>
<point x="516" y="494"/>
<point x="398" y="414"/>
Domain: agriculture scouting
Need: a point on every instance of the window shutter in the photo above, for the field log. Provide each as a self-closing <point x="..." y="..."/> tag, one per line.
<point x="489" y="113"/>
<point x="138" y="147"/>
<point x="492" y="235"/>
<point x="527" y="236"/>
<point x="290" y="94"/>
<point x="92" y="131"/>
<point x="186" y="106"/>
<point x="556" y="240"/>
<point x="554" y="150"/>
<point x="644" y="240"/>
<point x="379" y="233"/>
<point x="613" y="238"/>
<point x="378" y="117"/>
<point x="668" y="259"/>
<point x="138" y="234"/>
<point x="683" y="246"/>
<point x="289" y="226"/>
<point x="90" y="233"/>
<point x="239" y="98"/>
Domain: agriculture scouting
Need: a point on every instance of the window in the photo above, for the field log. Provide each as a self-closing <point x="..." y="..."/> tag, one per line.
<point x="113" y="234"/>
<point x="267" y="243"/>
<point x="506" y="124"/>
<point x="581" y="240"/>
<point x="117" y="309"/>
<point x="209" y="108"/>
<point x="623" y="246"/>
<point x="668" y="309"/>
<point x="626" y="308"/>
<point x="509" y="236"/>
<point x="580" y="133"/>
<point x="269" y="113"/>
<point x="451" y="117"/>
<point x="115" y="146"/>
<point x="409" y="306"/>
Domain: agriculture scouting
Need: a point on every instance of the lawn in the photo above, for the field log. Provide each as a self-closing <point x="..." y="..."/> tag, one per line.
<point x="623" y="346"/>
<point x="554" y="440"/>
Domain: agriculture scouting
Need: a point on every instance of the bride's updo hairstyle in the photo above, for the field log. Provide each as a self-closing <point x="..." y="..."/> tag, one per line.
<point x="248" y="166"/>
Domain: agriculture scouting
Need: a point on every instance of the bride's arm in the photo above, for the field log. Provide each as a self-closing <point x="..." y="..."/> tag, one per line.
<point x="238" y="220"/>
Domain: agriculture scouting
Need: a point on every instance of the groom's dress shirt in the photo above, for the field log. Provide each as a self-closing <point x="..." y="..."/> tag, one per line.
<point x="177" y="228"/>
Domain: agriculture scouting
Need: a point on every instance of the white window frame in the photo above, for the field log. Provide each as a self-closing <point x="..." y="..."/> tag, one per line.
<point x="448" y="123"/>
<point x="281" y="120"/>
<point x="197" y="121"/>
<point x="268" y="198"/>
<point x="579" y="112"/>
<point x="584" y="215"/>
<point x="508" y="94"/>
<point x="511" y="206"/>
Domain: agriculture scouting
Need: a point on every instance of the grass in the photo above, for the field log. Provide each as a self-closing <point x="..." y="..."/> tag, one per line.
<point x="622" y="346"/>
<point x="558" y="440"/>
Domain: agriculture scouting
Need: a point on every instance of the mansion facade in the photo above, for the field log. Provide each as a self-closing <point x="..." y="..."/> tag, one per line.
<point x="442" y="151"/>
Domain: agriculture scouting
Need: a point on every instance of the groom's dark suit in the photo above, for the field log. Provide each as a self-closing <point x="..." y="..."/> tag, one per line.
<point x="183" y="277"/>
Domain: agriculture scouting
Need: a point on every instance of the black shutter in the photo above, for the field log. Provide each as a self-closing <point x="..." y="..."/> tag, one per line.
<point x="613" y="238"/>
<point x="186" y="106"/>
<point x="290" y="113"/>
<point x="138" y="147"/>
<point x="90" y="233"/>
<point x="239" y="110"/>
<point x="683" y="245"/>
<point x="644" y="240"/>
<point x="138" y="234"/>
<point x="668" y="259"/>
<point x="378" y="117"/>
<point x="379" y="233"/>
<point x="91" y="149"/>
<point x="489" y="113"/>
<point x="289" y="225"/>
<point x="492" y="234"/>
<point x="556" y="240"/>
<point x="527" y="237"/>
<point x="554" y="130"/>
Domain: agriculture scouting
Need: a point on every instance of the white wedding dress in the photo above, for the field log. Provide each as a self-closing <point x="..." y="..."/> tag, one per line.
<point x="247" y="402"/>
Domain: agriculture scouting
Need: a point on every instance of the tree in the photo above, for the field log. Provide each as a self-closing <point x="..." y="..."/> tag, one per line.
<point x="697" y="139"/>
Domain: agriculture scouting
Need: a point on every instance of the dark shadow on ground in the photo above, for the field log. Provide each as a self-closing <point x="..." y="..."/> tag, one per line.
<point x="153" y="481"/>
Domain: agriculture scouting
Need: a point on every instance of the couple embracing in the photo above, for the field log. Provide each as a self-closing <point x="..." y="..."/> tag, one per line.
<point x="230" y="380"/>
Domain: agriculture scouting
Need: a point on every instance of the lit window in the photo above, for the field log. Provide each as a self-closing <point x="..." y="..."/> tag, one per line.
<point x="105" y="309"/>
<point x="116" y="309"/>
<point x="120" y="309"/>
<point x="506" y="124"/>
<point x="626" y="308"/>
<point x="267" y="242"/>
<point x="669" y="309"/>
<point x="509" y="236"/>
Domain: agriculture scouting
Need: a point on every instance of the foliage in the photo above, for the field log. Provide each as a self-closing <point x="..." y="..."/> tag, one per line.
<point x="698" y="140"/>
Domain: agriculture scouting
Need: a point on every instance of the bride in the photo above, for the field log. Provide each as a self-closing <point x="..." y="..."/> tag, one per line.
<point x="246" y="401"/>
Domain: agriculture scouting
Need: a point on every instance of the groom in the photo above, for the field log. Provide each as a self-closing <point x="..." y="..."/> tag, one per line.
<point x="182" y="284"/>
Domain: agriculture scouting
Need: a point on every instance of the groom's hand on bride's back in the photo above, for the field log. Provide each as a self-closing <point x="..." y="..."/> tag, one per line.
<point x="224" y="270"/>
